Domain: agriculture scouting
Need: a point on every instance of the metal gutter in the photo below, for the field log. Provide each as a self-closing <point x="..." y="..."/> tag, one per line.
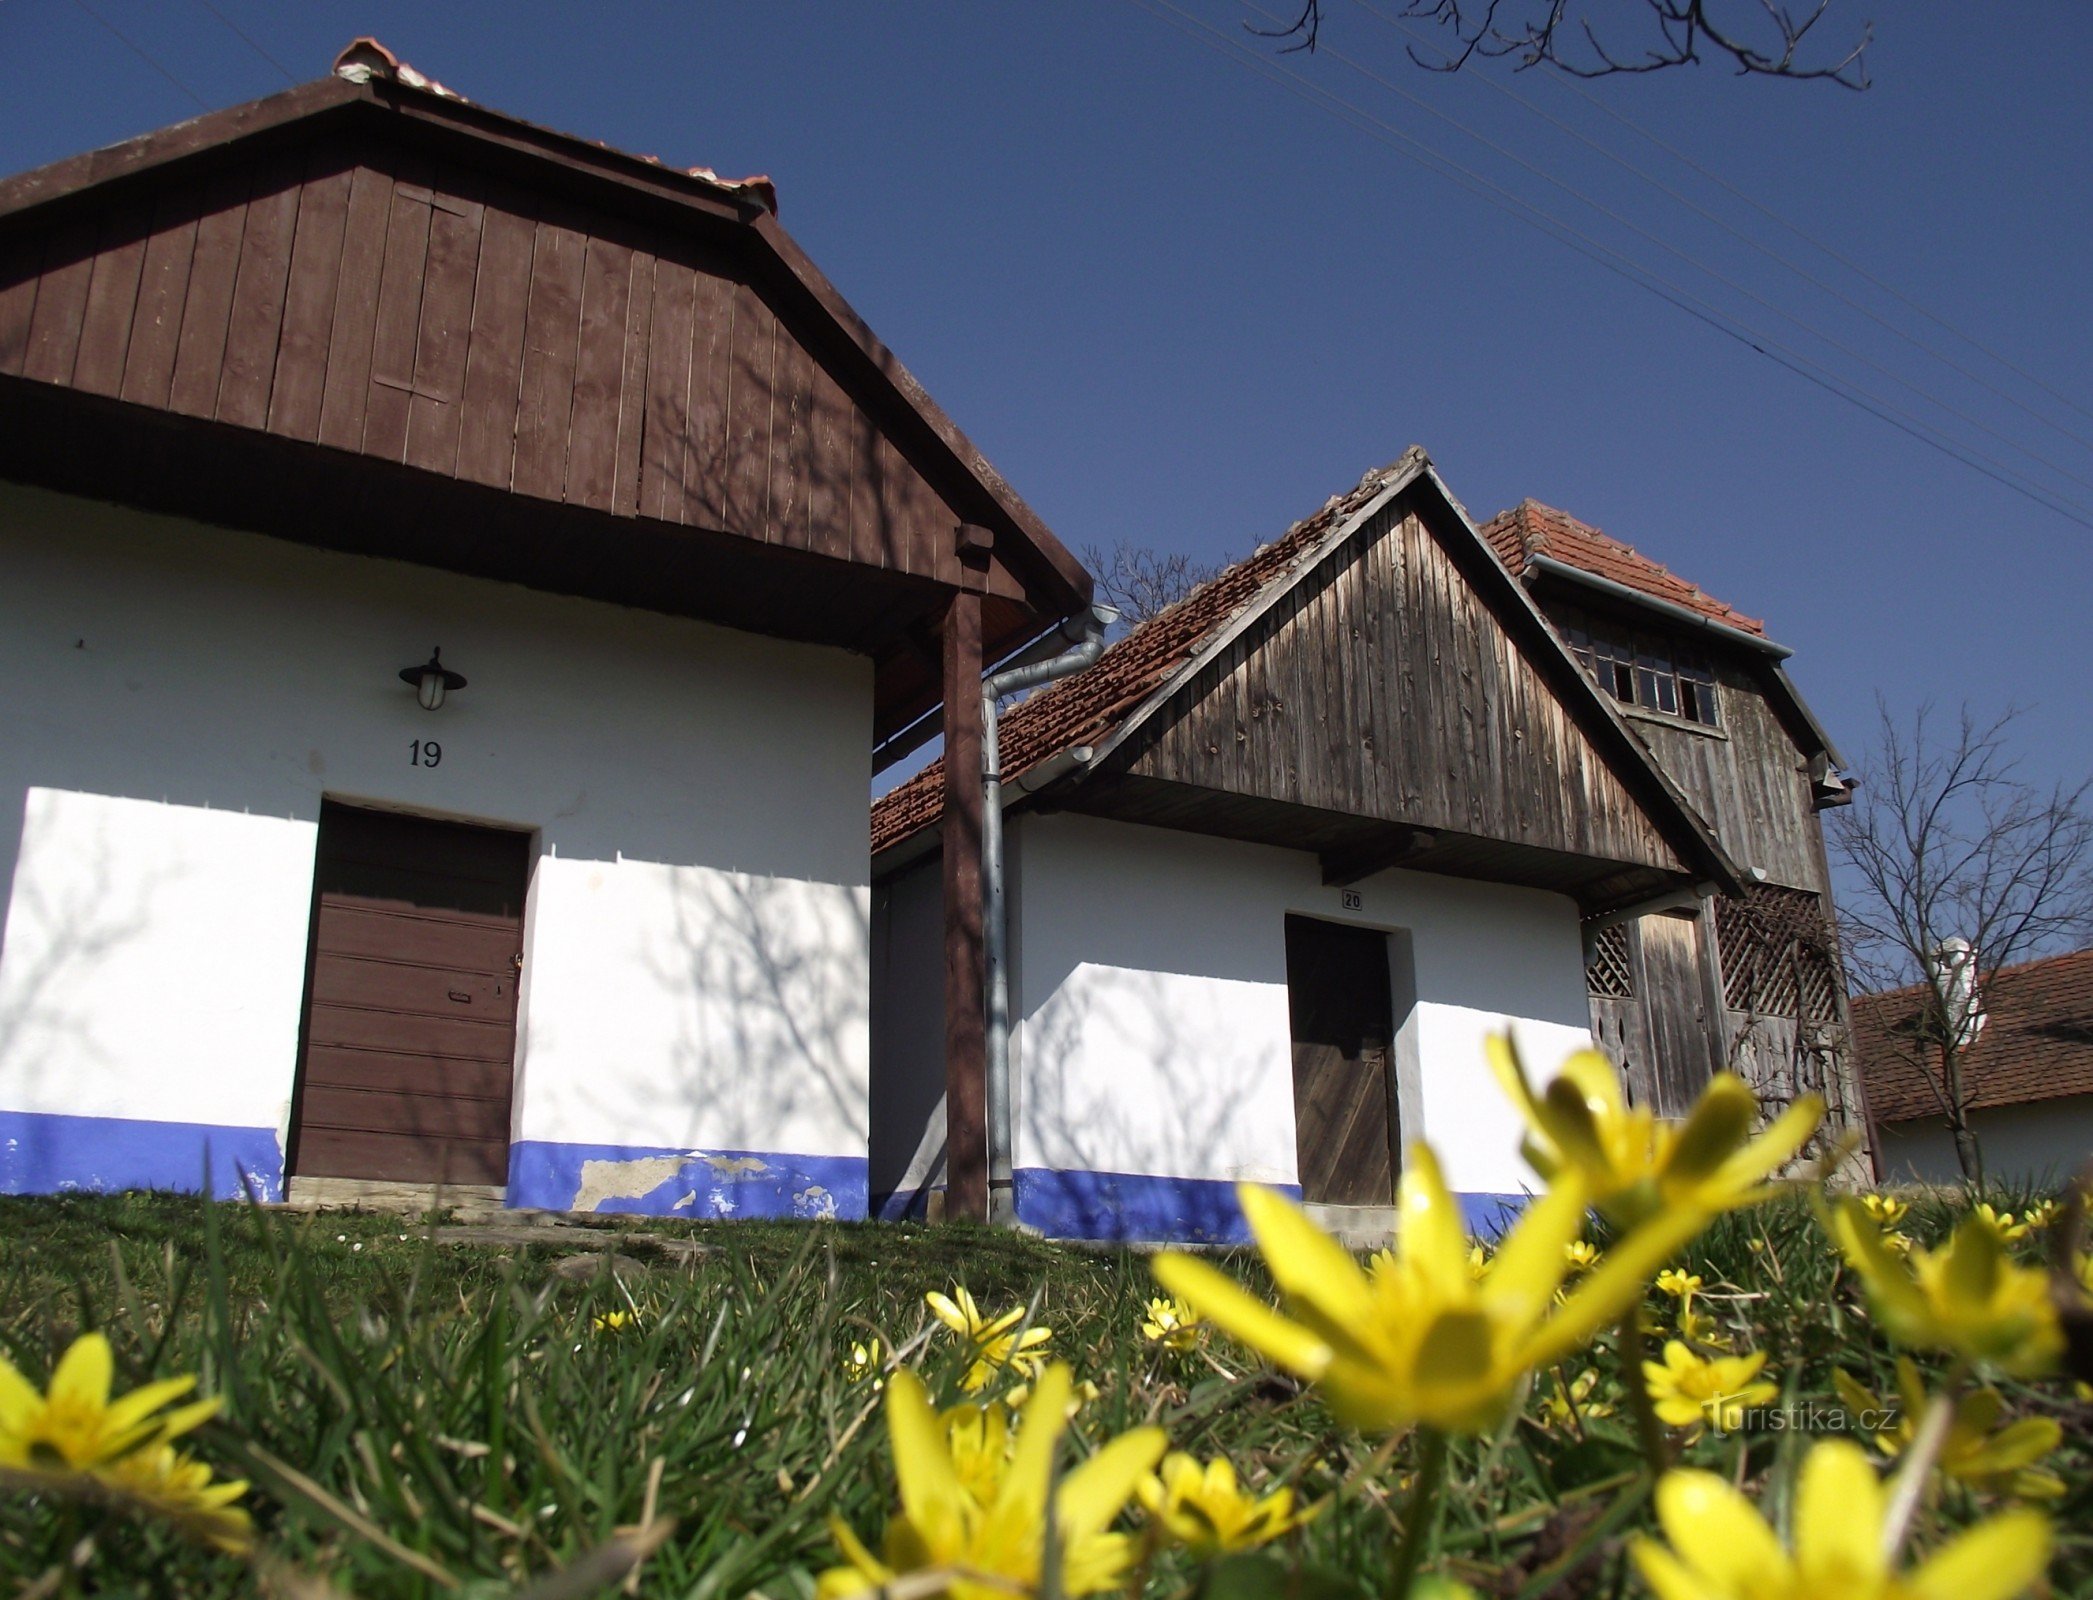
<point x="1548" y="566"/>
<point x="1087" y="630"/>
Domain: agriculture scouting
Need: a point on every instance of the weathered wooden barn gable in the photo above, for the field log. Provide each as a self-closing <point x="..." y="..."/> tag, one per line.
<point x="1372" y="686"/>
<point x="1384" y="686"/>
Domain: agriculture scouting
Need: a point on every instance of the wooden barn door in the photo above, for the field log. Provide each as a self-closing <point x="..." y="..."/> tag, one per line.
<point x="410" y="1013"/>
<point x="1344" y="1087"/>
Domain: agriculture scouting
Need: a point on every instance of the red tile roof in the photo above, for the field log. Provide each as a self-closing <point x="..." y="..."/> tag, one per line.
<point x="1531" y="529"/>
<point x="2037" y="1042"/>
<point x="1087" y="707"/>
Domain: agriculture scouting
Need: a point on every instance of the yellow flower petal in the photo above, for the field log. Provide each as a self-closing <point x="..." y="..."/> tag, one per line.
<point x="1720" y="1121"/>
<point x="1995" y="1560"/>
<point x="930" y="1489"/>
<point x="1307" y="1264"/>
<point x="1092" y="1495"/>
<point x="1721" y="1533"/>
<point x="1774" y="1148"/>
<point x="1666" y="1574"/>
<point x="1528" y="1268"/>
<point x="1234" y="1310"/>
<point x="1038" y="1433"/>
<point x="1838" y="1514"/>
<point x="82" y="1378"/>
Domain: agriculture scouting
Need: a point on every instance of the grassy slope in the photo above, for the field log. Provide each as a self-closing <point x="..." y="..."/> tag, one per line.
<point x="459" y="1400"/>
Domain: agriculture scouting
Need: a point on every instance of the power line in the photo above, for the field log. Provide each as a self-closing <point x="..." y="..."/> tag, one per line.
<point x="1735" y="232"/>
<point x="1605" y="256"/>
<point x="142" y="54"/>
<point x="1815" y="243"/>
<point x="1604" y="210"/>
<point x="248" y="40"/>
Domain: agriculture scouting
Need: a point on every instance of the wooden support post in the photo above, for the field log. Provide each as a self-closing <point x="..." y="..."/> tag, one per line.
<point x="966" y="1111"/>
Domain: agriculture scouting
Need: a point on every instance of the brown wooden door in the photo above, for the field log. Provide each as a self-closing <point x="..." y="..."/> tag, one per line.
<point x="1344" y="1121"/>
<point x="410" y="1014"/>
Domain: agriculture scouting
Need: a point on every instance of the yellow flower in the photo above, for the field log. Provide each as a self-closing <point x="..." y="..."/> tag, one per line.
<point x="1478" y="1261"/>
<point x="1637" y="1166"/>
<point x="1171" y="1323"/>
<point x="866" y="1362"/>
<point x="995" y="1546"/>
<point x="1204" y="1509"/>
<point x="1977" y="1452"/>
<point x="2002" y="1221"/>
<point x="76" y="1426"/>
<point x="1581" y="1254"/>
<point x="1967" y="1298"/>
<point x="1679" y="1283"/>
<point x="614" y="1322"/>
<point x="2042" y="1213"/>
<point x="1697" y="1327"/>
<point x="1898" y="1244"/>
<point x="1885" y="1210"/>
<point x="1560" y="1409"/>
<point x="181" y="1489"/>
<point x="1080" y="1396"/>
<point x="996" y="1342"/>
<point x="1421" y="1340"/>
<point x="1722" y="1549"/>
<point x="1687" y="1390"/>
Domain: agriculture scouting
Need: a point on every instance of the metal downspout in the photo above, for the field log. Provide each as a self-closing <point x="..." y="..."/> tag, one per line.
<point x="1088" y="630"/>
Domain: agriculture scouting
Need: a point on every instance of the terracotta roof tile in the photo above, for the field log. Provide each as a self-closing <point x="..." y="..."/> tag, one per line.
<point x="1085" y="708"/>
<point x="1532" y="529"/>
<point x="2037" y="1042"/>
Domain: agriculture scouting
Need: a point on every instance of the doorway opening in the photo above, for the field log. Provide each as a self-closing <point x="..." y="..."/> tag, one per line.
<point x="1346" y="1123"/>
<point x="407" y="1049"/>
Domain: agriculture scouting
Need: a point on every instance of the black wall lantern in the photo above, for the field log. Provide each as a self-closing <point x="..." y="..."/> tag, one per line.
<point x="432" y="680"/>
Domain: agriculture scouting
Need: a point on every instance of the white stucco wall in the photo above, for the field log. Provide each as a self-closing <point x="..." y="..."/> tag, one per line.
<point x="2043" y="1142"/>
<point x="1150" y="973"/>
<point x="176" y="700"/>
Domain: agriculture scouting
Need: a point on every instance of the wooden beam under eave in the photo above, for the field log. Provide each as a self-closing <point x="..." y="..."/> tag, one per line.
<point x="1343" y="868"/>
<point x="966" y="1043"/>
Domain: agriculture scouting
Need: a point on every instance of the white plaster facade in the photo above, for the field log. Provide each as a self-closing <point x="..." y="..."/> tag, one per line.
<point x="175" y="702"/>
<point x="2043" y="1142"/>
<point x="1153" y="1039"/>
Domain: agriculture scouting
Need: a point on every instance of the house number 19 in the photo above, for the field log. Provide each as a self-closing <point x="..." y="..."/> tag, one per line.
<point x="424" y="753"/>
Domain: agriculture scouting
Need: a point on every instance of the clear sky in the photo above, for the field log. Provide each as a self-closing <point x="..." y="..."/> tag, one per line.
<point x="1177" y="303"/>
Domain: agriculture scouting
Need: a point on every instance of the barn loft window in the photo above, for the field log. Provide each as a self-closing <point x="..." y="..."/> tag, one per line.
<point x="1646" y="672"/>
<point x="1609" y="973"/>
<point x="1778" y="954"/>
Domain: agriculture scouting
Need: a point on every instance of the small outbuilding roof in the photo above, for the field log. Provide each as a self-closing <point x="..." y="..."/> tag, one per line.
<point x="1531" y="529"/>
<point x="2037" y="1042"/>
<point x="1138" y="673"/>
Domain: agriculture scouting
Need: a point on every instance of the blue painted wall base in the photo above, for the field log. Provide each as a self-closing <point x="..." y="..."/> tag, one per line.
<point x="1131" y="1206"/>
<point x="45" y="1153"/>
<point x="650" y="1181"/>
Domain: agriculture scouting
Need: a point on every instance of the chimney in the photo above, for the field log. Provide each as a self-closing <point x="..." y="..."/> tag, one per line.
<point x="1953" y="970"/>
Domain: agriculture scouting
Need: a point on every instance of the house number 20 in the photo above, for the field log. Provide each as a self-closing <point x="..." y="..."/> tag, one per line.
<point x="424" y="753"/>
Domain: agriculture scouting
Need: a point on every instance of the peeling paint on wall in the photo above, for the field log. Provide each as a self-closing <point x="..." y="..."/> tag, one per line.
<point x="605" y="1181"/>
<point x="684" y="1183"/>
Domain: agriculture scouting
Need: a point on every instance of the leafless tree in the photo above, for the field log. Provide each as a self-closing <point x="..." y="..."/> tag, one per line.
<point x="1762" y="38"/>
<point x="1142" y="582"/>
<point x="1948" y="841"/>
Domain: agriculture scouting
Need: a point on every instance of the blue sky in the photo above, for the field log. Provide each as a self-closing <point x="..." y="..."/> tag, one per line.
<point x="1176" y="303"/>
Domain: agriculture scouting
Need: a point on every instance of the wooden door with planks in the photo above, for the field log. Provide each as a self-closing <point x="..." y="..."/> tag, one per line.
<point x="409" y="1040"/>
<point x="1345" y="1128"/>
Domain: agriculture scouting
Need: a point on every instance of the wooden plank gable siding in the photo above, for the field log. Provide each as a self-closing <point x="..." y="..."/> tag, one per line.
<point x="443" y="318"/>
<point x="1383" y="686"/>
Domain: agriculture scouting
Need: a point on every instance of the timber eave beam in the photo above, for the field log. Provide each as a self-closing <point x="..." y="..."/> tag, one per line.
<point x="1345" y="867"/>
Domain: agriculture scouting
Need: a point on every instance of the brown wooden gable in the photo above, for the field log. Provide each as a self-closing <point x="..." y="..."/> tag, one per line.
<point x="1383" y="686"/>
<point x="371" y="270"/>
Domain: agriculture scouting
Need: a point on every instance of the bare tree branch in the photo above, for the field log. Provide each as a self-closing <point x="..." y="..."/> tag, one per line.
<point x="1142" y="582"/>
<point x="1758" y="38"/>
<point x="1948" y="841"/>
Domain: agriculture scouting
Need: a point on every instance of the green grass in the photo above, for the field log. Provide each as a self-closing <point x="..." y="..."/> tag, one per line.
<point x="450" y="1410"/>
